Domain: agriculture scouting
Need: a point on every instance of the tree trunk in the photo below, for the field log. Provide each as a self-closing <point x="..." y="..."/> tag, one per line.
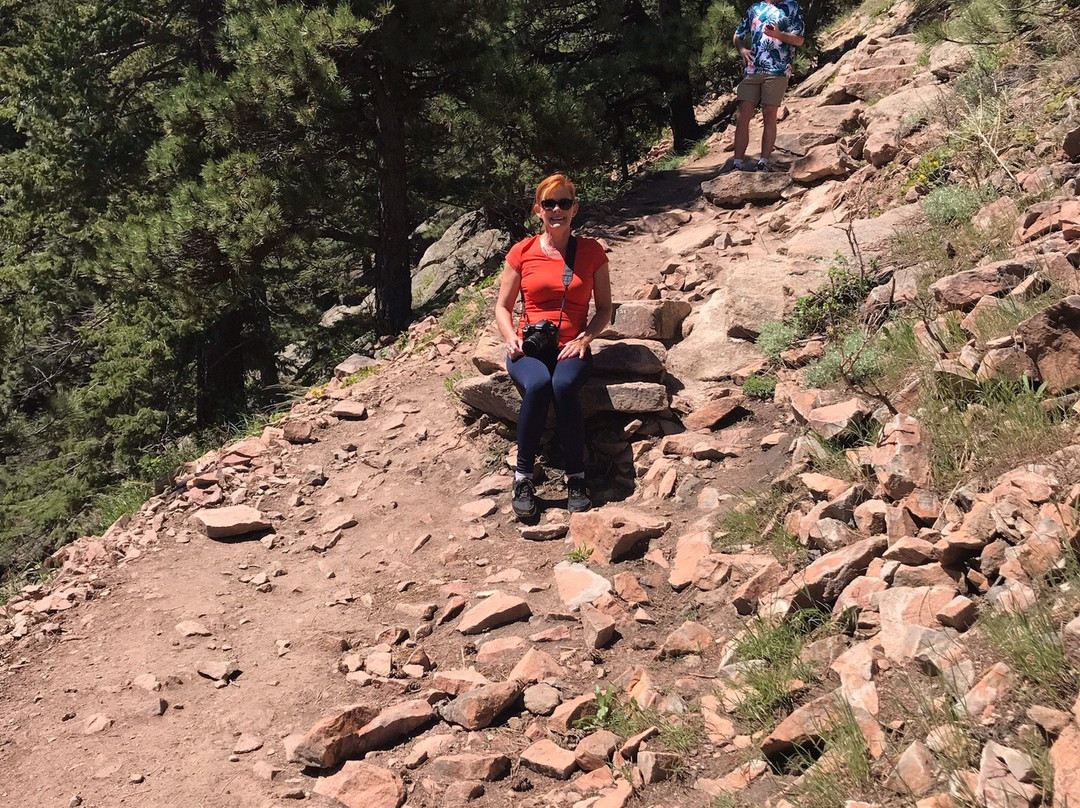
<point x="393" y="290"/>
<point x="676" y="77"/>
<point x="221" y="369"/>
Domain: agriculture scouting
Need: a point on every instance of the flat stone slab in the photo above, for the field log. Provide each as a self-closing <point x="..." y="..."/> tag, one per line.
<point x="233" y="520"/>
<point x="497" y="610"/>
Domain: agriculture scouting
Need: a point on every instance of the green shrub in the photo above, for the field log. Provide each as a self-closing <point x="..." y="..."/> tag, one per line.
<point x="856" y="360"/>
<point x="932" y="168"/>
<point x="952" y="203"/>
<point x="760" y="386"/>
<point x="834" y="303"/>
<point x="775" y="337"/>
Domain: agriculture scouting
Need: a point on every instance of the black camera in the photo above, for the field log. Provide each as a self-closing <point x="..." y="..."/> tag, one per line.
<point x="540" y="340"/>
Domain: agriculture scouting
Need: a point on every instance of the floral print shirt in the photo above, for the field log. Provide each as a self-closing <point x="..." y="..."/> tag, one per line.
<point x="771" y="56"/>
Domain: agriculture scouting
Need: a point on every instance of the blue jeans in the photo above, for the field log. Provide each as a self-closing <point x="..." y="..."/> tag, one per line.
<point x="540" y="383"/>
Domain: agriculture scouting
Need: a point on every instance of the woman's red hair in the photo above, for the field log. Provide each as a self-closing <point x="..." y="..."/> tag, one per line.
<point x="549" y="184"/>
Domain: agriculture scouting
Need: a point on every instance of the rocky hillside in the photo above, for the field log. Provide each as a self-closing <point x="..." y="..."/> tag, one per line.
<point x="834" y="560"/>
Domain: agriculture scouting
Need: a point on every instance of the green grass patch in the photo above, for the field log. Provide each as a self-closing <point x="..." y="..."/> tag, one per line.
<point x="1000" y="426"/>
<point x="579" y="554"/>
<point x="757" y="520"/>
<point x="360" y="375"/>
<point x="775" y="337"/>
<point x="842" y="772"/>
<point x="770" y="689"/>
<point x="761" y="386"/>
<point x="1030" y="641"/>
<point x="625" y="717"/>
<point x="952" y="203"/>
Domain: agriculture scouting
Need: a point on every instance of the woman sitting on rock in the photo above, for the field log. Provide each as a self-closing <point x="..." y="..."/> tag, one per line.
<point x="548" y="355"/>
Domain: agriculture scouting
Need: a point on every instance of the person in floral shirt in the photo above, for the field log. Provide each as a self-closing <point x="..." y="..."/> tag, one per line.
<point x="775" y="29"/>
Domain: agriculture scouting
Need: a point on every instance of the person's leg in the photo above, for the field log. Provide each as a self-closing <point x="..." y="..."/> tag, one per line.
<point x="534" y="378"/>
<point x="768" y="133"/>
<point x="748" y="95"/>
<point x="772" y="95"/>
<point x="569" y="377"/>
<point x="742" y="128"/>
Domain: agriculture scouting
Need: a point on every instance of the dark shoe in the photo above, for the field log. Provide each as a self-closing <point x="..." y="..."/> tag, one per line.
<point x="730" y="166"/>
<point x="764" y="167"/>
<point x="524" y="501"/>
<point x="577" y="498"/>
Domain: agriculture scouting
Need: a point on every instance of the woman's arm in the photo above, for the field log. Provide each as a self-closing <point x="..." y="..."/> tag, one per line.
<point x="509" y="286"/>
<point x="600" y="319"/>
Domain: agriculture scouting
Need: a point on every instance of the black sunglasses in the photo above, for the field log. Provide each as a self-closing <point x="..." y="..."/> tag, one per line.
<point x="562" y="204"/>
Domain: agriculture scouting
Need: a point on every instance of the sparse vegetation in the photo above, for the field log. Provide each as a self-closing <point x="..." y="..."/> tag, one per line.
<point x="757" y="519"/>
<point x="998" y="426"/>
<point x="775" y="337"/>
<point x="1030" y="641"/>
<point x="760" y="386"/>
<point x="952" y="203"/>
<point x="579" y="554"/>
<point x="842" y="772"/>
<point x="856" y="359"/>
<point x="772" y="687"/>
<point x="625" y="717"/>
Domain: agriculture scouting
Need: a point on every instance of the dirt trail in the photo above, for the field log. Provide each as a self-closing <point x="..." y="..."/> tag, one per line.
<point x="404" y="474"/>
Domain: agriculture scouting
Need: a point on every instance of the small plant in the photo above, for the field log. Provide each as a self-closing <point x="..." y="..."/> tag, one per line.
<point x="775" y="337"/>
<point x="952" y="203"/>
<point x="834" y="303"/>
<point x="674" y="733"/>
<point x="842" y="772"/>
<point x="579" y="554"/>
<point x="605" y="708"/>
<point x="760" y="386"/>
<point x="450" y="382"/>
<point x="360" y="375"/>
<point x="932" y="169"/>
<point x="855" y="360"/>
<point x="771" y="688"/>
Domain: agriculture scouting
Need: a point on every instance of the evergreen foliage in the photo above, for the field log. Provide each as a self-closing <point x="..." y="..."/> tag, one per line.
<point x="186" y="187"/>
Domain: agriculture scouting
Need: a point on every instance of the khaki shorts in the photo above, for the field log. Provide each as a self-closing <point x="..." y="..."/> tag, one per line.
<point x="763" y="88"/>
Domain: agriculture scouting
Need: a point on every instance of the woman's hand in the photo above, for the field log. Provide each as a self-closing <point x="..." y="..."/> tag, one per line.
<point x="576" y="347"/>
<point x="513" y="347"/>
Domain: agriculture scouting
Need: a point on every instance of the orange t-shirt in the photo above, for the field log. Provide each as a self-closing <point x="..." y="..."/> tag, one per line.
<point x="542" y="281"/>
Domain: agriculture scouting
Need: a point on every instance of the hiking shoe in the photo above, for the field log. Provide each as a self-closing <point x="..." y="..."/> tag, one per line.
<point x="524" y="501"/>
<point x="730" y="166"/>
<point x="577" y="498"/>
<point x="764" y="167"/>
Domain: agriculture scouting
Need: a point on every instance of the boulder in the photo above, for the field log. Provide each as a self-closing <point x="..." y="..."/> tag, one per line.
<point x="1052" y="339"/>
<point x="230" y="521"/>
<point x="964" y="289"/>
<point x="496" y="610"/>
<point x="332" y="739"/>
<point x="479" y="708"/>
<point x="613" y="532"/>
<point x="901" y="459"/>
<point x="647" y="320"/>
<point x="820" y="163"/>
<point x="577" y="584"/>
<point x="466" y="252"/>
<point x="737" y="188"/>
<point x="363" y="785"/>
<point x="486" y="767"/>
<point x="628" y="357"/>
<point x="748" y="294"/>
